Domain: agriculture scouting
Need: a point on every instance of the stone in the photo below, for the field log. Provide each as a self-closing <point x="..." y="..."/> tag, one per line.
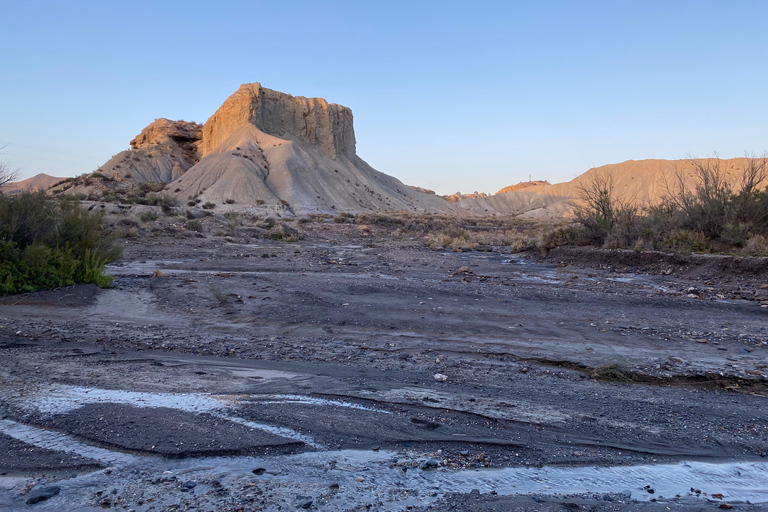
<point x="42" y="493"/>
<point x="304" y="502"/>
<point x="439" y="377"/>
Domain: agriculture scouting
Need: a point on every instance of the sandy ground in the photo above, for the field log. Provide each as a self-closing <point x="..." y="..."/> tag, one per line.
<point x="354" y="372"/>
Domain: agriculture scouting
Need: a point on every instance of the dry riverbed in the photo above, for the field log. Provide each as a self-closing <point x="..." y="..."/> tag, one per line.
<point x="352" y="371"/>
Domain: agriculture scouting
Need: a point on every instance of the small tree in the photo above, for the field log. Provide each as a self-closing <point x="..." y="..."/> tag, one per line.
<point x="595" y="208"/>
<point x="7" y="172"/>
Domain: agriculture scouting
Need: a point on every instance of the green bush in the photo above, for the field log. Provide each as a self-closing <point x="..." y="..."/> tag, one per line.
<point x="148" y="217"/>
<point x="47" y="243"/>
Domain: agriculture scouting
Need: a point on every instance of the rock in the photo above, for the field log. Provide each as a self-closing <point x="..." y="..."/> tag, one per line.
<point x="439" y="377"/>
<point x="359" y="479"/>
<point x="304" y="501"/>
<point x="464" y="453"/>
<point x="189" y="484"/>
<point x="464" y="270"/>
<point x="42" y="493"/>
<point x="432" y="463"/>
<point x="159" y="273"/>
<point x="259" y="471"/>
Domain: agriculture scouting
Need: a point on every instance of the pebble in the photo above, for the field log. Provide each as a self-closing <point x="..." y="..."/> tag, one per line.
<point x="439" y="377"/>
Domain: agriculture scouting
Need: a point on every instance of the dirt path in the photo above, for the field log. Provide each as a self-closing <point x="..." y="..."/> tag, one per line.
<point x="251" y="376"/>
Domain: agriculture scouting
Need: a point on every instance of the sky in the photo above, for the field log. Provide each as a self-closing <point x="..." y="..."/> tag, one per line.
<point x="452" y="96"/>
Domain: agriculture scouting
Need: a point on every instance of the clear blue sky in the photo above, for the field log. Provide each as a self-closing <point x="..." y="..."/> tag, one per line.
<point x="453" y="95"/>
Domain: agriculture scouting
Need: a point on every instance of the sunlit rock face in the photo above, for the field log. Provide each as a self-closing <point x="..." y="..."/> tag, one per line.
<point x="309" y="120"/>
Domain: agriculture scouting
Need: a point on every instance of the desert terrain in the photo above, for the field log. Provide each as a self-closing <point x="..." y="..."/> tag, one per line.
<point x="355" y="370"/>
<point x="291" y="329"/>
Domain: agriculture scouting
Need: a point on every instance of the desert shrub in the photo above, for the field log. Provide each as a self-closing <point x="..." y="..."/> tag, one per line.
<point x="714" y="208"/>
<point x="685" y="240"/>
<point x="166" y="204"/>
<point x="194" y="225"/>
<point x="757" y="245"/>
<point x="47" y="243"/>
<point x="150" y="186"/>
<point x="127" y="222"/>
<point x="555" y="236"/>
<point x="596" y="209"/>
<point x="284" y="233"/>
<point x="209" y="205"/>
<point x="148" y="217"/>
<point x="344" y="218"/>
<point x="230" y="201"/>
<point x="232" y="221"/>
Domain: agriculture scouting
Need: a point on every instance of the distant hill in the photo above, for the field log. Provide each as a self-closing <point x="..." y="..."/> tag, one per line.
<point x="639" y="181"/>
<point x="38" y="182"/>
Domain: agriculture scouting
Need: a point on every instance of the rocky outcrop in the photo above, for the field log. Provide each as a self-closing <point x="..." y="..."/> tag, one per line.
<point x="185" y="134"/>
<point x="458" y="196"/>
<point x="308" y="120"/>
<point x="161" y="153"/>
<point x="522" y="185"/>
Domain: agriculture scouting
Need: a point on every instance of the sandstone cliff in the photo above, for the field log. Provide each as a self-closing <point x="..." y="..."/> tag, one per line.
<point x="309" y="120"/>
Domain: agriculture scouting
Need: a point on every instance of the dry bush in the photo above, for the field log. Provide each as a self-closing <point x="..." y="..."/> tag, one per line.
<point x="713" y="207"/>
<point x="757" y="245"/>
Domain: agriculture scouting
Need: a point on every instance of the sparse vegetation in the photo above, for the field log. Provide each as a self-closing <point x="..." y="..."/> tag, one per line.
<point x="709" y="215"/>
<point x="232" y="221"/>
<point x="148" y="217"/>
<point x="47" y="243"/>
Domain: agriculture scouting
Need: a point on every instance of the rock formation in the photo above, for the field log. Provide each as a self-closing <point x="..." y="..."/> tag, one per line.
<point x="307" y="120"/>
<point x="271" y="149"/>
<point x="162" y="152"/>
<point x="458" y="196"/>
